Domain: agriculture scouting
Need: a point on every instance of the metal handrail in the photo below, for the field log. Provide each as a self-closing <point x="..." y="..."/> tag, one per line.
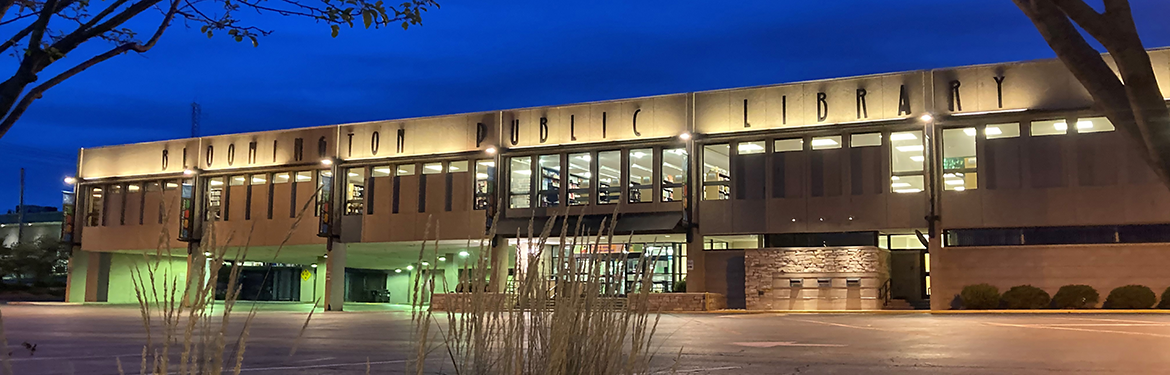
<point x="884" y="292"/>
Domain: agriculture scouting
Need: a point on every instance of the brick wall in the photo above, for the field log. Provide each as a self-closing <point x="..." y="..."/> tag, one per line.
<point x="1048" y="267"/>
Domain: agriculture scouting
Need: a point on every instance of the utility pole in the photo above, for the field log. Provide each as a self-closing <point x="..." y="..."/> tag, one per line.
<point x="196" y="113"/>
<point x="20" y="211"/>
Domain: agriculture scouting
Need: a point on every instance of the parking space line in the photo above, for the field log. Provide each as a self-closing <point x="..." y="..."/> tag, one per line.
<point x="1042" y="326"/>
<point x="1124" y="320"/>
<point x="842" y="325"/>
<point x="321" y="366"/>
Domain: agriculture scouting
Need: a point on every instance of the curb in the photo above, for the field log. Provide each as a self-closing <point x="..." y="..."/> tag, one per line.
<point x="926" y="312"/>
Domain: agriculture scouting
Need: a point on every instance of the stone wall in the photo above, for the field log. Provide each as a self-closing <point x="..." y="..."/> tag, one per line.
<point x="791" y="278"/>
<point x="663" y="302"/>
<point x="461" y="302"/>
<point x="668" y="302"/>
<point x="1048" y="267"/>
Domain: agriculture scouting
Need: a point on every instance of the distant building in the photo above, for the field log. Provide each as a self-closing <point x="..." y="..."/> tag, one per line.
<point x="38" y="221"/>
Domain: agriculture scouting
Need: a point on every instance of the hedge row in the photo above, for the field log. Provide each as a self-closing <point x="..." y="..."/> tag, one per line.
<point x="986" y="296"/>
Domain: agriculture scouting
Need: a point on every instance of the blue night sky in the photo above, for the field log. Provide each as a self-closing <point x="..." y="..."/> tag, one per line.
<point x="485" y="55"/>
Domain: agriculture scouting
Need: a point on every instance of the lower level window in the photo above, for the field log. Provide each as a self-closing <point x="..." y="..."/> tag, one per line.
<point x="520" y="182"/>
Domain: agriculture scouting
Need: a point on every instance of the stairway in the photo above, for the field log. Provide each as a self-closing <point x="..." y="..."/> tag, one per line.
<point x="898" y="304"/>
<point x="922" y="304"/>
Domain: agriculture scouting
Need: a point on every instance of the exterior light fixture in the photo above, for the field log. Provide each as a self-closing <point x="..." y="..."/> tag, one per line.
<point x="188" y="172"/>
<point x="442" y="259"/>
<point x="206" y="253"/>
<point x="314" y="265"/>
<point x="410" y="268"/>
<point x="397" y="270"/>
<point x="326" y="161"/>
<point x="463" y="254"/>
<point x="426" y="264"/>
<point x="490" y="151"/>
<point x="927" y="118"/>
<point x="70" y="180"/>
<point x="684" y="136"/>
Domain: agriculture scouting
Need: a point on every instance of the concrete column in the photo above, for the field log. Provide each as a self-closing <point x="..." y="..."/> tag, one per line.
<point x="77" y="282"/>
<point x="938" y="281"/>
<point x="500" y="261"/>
<point x="696" y="275"/>
<point x="335" y="278"/>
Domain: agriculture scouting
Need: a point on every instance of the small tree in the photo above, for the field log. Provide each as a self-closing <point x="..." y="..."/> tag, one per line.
<point x="1132" y="102"/>
<point x="39" y="260"/>
<point x="50" y="31"/>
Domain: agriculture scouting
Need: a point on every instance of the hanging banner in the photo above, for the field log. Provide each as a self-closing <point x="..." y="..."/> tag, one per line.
<point x="187" y="210"/>
<point x="68" y="209"/>
<point x="325" y="205"/>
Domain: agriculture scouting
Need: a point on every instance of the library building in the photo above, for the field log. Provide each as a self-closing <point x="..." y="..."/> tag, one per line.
<point x="859" y="193"/>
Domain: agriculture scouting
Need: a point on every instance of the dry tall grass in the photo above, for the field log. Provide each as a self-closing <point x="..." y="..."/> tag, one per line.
<point x="577" y="322"/>
<point x="178" y="311"/>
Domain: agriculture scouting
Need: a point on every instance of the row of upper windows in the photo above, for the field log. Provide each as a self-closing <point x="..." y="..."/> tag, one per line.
<point x="959" y="166"/>
<point x="544" y="178"/>
<point x="98" y="202"/>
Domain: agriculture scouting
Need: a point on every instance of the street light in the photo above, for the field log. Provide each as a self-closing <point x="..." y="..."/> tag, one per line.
<point x="490" y="151"/>
<point x="684" y="136"/>
<point x="327" y="162"/>
<point x="70" y="180"/>
<point x="927" y="118"/>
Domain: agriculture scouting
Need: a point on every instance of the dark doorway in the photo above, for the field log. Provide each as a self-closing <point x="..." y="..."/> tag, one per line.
<point x="262" y="283"/>
<point x="736" y="299"/>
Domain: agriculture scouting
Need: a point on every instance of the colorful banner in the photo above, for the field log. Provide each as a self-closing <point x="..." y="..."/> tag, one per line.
<point x="69" y="210"/>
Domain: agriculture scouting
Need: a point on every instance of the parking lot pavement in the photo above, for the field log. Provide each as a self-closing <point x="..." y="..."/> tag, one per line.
<point x="89" y="339"/>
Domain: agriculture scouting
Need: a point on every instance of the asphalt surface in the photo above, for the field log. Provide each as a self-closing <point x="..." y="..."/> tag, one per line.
<point x="89" y="339"/>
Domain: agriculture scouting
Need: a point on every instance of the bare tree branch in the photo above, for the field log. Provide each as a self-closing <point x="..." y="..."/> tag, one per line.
<point x="39" y="90"/>
<point x="16" y="38"/>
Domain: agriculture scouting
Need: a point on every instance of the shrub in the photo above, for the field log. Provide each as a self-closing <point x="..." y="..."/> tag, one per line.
<point x="1026" y="297"/>
<point x="1075" y="297"/>
<point x="980" y="297"/>
<point x="680" y="287"/>
<point x="1165" y="304"/>
<point x="1130" y="297"/>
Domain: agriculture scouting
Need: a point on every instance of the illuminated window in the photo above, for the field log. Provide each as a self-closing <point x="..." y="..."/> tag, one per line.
<point x="96" y="206"/>
<point x="133" y="188"/>
<point x="748" y="148"/>
<point x="281" y="178"/>
<point x="907" y="157"/>
<point x="304" y="176"/>
<point x="432" y="168"/>
<point x="674" y="174"/>
<point x="215" y="187"/>
<point x="381" y="171"/>
<point x="959" y="159"/>
<point x="404" y="170"/>
<point x="258" y="179"/>
<point x="355" y="190"/>
<point x="550" y="180"/>
<point x="788" y="145"/>
<point x="457" y="166"/>
<point x="1049" y="127"/>
<point x="322" y="176"/>
<point x="641" y="175"/>
<point x="153" y="186"/>
<point x="485" y="172"/>
<point x="865" y="140"/>
<point x="716" y="172"/>
<point x="520" y="182"/>
<point x="609" y="177"/>
<point x="239" y="180"/>
<point x="826" y="143"/>
<point x="170" y="185"/>
<point x="1005" y="130"/>
<point x="579" y="177"/>
<point x="1094" y="125"/>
